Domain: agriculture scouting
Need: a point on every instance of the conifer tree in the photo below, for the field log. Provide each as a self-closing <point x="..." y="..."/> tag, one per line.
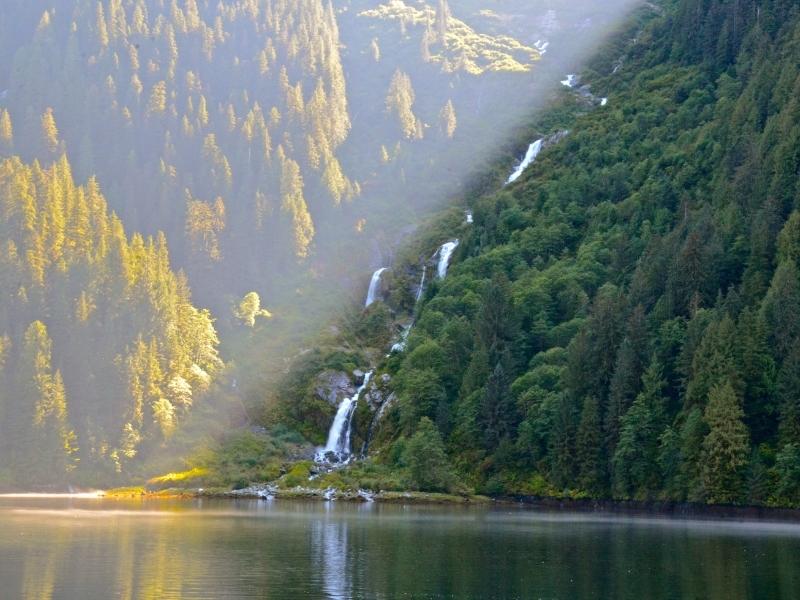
<point x="428" y="465"/>
<point x="49" y="134"/>
<point x="788" y="397"/>
<point x="726" y="448"/>
<point x="781" y="308"/>
<point x="757" y="370"/>
<point x="589" y="455"/>
<point x="400" y="101"/>
<point x="789" y="239"/>
<point x="250" y="308"/>
<point x="636" y="457"/>
<point x="6" y="133"/>
<point x="714" y="362"/>
<point x="447" y="120"/>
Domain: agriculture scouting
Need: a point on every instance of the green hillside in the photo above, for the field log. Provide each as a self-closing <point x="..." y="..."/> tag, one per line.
<point x="622" y="322"/>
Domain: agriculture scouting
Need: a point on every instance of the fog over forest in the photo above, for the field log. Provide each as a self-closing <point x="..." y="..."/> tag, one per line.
<point x="192" y="189"/>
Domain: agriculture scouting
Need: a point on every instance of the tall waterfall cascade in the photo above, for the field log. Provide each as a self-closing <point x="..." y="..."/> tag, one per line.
<point x="338" y="445"/>
<point x="421" y="288"/>
<point x="374" y="286"/>
<point x="445" y="254"/>
<point x="530" y="156"/>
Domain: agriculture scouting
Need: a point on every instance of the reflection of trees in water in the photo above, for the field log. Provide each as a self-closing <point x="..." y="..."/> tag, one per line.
<point x="40" y="571"/>
<point x="379" y="552"/>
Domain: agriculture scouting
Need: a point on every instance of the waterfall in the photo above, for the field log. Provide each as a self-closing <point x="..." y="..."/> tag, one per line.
<point x="341" y="428"/>
<point x="571" y="81"/>
<point x="400" y="345"/>
<point x="374" y="286"/>
<point x="530" y="156"/>
<point x="445" y="254"/>
<point x="468" y="215"/>
<point x="541" y="46"/>
<point x="421" y="288"/>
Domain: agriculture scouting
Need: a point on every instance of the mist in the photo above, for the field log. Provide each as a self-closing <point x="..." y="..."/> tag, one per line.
<point x="193" y="193"/>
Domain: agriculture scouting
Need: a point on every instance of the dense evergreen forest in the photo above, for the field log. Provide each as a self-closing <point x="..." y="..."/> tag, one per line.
<point x="621" y="322"/>
<point x="228" y="125"/>
<point x="265" y="149"/>
<point x="102" y="352"/>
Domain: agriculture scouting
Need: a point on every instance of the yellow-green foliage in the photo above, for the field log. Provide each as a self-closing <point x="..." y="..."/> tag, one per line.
<point x="183" y="477"/>
<point x="463" y="48"/>
<point x="82" y="299"/>
<point x="297" y="475"/>
<point x="247" y="457"/>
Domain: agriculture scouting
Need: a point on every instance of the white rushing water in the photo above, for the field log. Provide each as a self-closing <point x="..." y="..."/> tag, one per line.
<point x="445" y="254"/>
<point x="530" y="156"/>
<point x="603" y="101"/>
<point x="468" y="215"/>
<point x="571" y="81"/>
<point x="374" y="286"/>
<point x="339" y="434"/>
<point x="400" y="345"/>
<point x="421" y="287"/>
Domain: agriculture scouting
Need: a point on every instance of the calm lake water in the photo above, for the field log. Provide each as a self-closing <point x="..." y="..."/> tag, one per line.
<point x="89" y="549"/>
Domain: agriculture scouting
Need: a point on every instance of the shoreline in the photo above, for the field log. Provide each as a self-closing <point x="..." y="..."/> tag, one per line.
<point x="633" y="508"/>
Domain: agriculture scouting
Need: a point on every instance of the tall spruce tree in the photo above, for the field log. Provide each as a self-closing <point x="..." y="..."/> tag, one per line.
<point x="726" y="448"/>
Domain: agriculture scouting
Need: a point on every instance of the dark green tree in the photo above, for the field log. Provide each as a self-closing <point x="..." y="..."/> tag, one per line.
<point x="781" y="308"/>
<point x="787" y="469"/>
<point x="428" y="465"/>
<point x="589" y="449"/>
<point x="726" y="448"/>
<point x="756" y="368"/>
<point x="635" y="460"/>
<point x="788" y="397"/>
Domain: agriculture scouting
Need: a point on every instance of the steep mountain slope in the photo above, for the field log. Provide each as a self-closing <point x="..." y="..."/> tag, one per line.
<point x="280" y="146"/>
<point x="101" y="353"/>
<point x="623" y="320"/>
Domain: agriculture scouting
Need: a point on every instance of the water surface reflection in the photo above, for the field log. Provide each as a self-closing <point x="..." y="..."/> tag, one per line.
<point x="64" y="548"/>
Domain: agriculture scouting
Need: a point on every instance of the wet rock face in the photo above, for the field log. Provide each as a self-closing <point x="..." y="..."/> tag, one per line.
<point x="333" y="387"/>
<point x="378" y="392"/>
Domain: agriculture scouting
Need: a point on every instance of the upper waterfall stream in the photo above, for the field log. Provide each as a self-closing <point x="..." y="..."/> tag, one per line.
<point x="530" y="156"/>
<point x="445" y="254"/>
<point x="374" y="286"/>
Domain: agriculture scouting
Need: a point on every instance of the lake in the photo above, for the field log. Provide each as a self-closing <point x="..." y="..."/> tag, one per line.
<point x="88" y="549"/>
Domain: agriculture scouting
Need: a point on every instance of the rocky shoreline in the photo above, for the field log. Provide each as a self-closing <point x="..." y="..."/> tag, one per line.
<point x="631" y="508"/>
<point x="271" y="491"/>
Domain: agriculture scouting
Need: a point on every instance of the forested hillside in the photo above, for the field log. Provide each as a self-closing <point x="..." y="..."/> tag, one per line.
<point x="226" y="132"/>
<point x="277" y="148"/>
<point x="101" y="350"/>
<point x="623" y="320"/>
<point x="228" y="125"/>
<point x="198" y="117"/>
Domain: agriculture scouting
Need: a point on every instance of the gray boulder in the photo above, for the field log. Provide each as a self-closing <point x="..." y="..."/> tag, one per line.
<point x="333" y="387"/>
